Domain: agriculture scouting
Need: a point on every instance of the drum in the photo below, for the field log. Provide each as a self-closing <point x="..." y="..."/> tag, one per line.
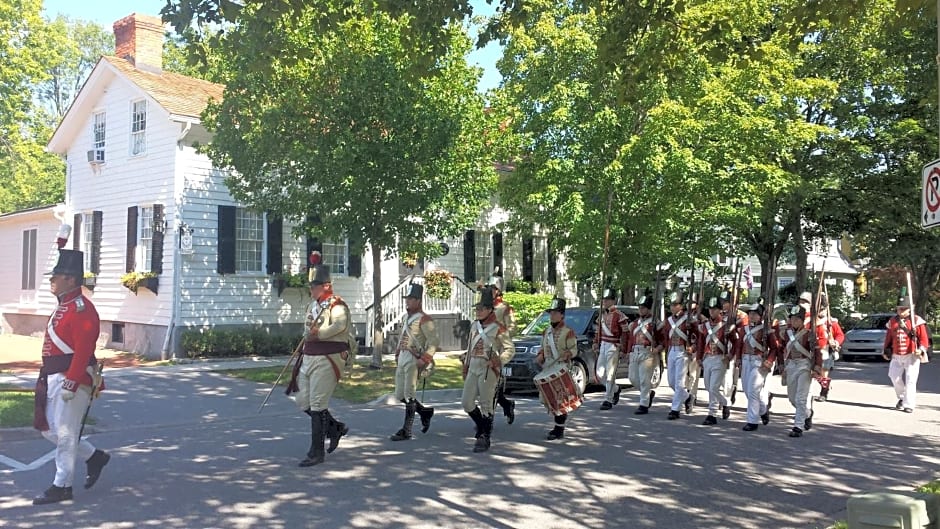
<point x="558" y="390"/>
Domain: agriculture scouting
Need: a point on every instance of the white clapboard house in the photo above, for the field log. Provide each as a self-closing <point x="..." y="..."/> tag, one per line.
<point x="140" y="198"/>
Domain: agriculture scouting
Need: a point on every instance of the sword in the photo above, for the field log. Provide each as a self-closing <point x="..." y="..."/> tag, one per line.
<point x="95" y="390"/>
<point x="278" y="379"/>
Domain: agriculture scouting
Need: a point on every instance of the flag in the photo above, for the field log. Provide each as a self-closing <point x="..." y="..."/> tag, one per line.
<point x="748" y="280"/>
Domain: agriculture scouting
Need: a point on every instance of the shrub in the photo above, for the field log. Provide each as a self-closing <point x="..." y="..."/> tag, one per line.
<point x="527" y="306"/>
<point x="438" y="284"/>
<point x="210" y="343"/>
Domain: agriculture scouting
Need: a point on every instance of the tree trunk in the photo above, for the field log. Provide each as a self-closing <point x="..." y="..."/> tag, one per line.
<point x="378" y="338"/>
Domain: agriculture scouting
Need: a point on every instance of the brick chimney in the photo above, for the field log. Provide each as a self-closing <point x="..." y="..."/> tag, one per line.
<point x="139" y="39"/>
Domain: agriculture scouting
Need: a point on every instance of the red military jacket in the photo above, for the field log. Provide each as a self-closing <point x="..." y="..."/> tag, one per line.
<point x="753" y="342"/>
<point x="899" y="339"/>
<point x="679" y="330"/>
<point x="642" y="332"/>
<point x="70" y="340"/>
<point x="791" y="352"/>
<point x="713" y="339"/>
<point x="612" y="327"/>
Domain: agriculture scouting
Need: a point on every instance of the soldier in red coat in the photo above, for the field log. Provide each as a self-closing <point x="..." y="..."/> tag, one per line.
<point x="610" y="342"/>
<point x="906" y="345"/>
<point x="678" y="335"/>
<point x="714" y="349"/>
<point x="68" y="378"/>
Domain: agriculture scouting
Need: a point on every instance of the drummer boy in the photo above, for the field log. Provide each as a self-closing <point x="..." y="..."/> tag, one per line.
<point x="559" y="346"/>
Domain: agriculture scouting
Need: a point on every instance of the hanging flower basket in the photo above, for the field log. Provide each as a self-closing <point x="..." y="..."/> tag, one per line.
<point x="135" y="280"/>
<point x="438" y="284"/>
<point x="288" y="280"/>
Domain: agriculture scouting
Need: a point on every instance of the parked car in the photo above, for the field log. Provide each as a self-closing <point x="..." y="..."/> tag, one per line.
<point x="519" y="372"/>
<point x="866" y="339"/>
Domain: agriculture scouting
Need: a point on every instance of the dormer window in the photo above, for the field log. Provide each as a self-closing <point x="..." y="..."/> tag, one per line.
<point x="138" y="127"/>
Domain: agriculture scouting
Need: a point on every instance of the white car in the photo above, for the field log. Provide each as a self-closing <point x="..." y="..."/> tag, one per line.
<point x="867" y="338"/>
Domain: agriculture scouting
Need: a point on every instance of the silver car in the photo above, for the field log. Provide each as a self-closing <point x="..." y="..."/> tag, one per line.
<point x="867" y="338"/>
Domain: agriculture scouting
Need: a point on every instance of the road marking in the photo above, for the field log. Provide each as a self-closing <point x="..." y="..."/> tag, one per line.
<point x="23" y="467"/>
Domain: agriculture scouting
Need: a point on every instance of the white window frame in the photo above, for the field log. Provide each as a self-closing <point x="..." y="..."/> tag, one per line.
<point x="539" y="259"/>
<point x="483" y="249"/>
<point x="335" y="254"/>
<point x="250" y="237"/>
<point x="86" y="237"/>
<point x="98" y="130"/>
<point x="144" y="252"/>
<point x="29" y="260"/>
<point x="138" y="127"/>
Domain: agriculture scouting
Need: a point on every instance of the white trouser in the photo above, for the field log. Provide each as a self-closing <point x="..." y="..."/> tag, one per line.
<point x="642" y="361"/>
<point x="676" y="374"/>
<point x="903" y="372"/>
<point x="607" y="359"/>
<point x="728" y="384"/>
<point x="714" y="368"/>
<point x="479" y="387"/>
<point x="65" y="421"/>
<point x="799" y="378"/>
<point x="754" y="384"/>
<point x="317" y="381"/>
<point x="691" y="377"/>
<point x="406" y="377"/>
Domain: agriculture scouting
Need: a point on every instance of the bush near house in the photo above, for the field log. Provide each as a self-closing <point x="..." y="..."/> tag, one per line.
<point x="526" y="306"/>
<point x="211" y="343"/>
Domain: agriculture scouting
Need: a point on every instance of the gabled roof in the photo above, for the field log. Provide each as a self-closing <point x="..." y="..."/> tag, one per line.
<point x="184" y="98"/>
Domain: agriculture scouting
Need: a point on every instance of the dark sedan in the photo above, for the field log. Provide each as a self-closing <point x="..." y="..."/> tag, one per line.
<point x="583" y="320"/>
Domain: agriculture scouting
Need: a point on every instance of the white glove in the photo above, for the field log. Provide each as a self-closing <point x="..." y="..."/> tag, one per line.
<point x="67" y="395"/>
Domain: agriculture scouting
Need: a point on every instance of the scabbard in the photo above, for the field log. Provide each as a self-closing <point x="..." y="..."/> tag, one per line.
<point x="39" y="402"/>
<point x="292" y="386"/>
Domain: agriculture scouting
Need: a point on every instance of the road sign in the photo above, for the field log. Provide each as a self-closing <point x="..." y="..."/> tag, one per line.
<point x="930" y="197"/>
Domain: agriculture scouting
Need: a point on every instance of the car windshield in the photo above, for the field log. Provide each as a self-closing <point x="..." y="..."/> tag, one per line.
<point x="873" y="322"/>
<point x="578" y="320"/>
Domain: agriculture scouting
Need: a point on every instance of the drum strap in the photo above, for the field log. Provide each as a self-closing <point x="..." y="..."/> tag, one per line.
<point x="641" y="327"/>
<point x="550" y="338"/>
<point x="481" y="335"/>
<point x="753" y="341"/>
<point x="408" y="323"/>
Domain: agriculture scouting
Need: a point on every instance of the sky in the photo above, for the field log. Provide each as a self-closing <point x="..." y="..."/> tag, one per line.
<point x="106" y="12"/>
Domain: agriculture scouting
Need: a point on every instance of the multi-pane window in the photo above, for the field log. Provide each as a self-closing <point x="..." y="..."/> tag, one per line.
<point x="336" y="256"/>
<point x="483" y="247"/>
<point x="139" y="127"/>
<point x="249" y="240"/>
<point x="98" y="131"/>
<point x="87" y="238"/>
<point x="539" y="258"/>
<point x="144" y="238"/>
<point x="29" y="260"/>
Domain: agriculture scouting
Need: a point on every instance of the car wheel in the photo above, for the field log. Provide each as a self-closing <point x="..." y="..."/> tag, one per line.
<point x="579" y="374"/>
<point x="657" y="376"/>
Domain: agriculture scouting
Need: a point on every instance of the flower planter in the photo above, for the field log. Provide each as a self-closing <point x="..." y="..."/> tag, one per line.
<point x="90" y="282"/>
<point x="150" y="283"/>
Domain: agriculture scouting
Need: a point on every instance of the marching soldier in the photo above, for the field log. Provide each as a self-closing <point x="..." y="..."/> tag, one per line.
<point x="325" y="351"/>
<point x="712" y="352"/>
<point x="678" y="334"/>
<point x="757" y="353"/>
<point x="415" y="352"/>
<point x="644" y="353"/>
<point x="559" y="345"/>
<point x="507" y="318"/>
<point x="736" y="323"/>
<point x="68" y="377"/>
<point x="693" y="368"/>
<point x="906" y="346"/>
<point x="610" y="342"/>
<point x="802" y="361"/>
<point x="834" y="339"/>
<point x="489" y="349"/>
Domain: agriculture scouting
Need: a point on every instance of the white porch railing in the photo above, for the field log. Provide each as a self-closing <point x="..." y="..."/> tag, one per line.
<point x="461" y="301"/>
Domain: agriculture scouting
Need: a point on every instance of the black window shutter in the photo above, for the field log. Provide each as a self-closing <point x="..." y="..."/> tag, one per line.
<point x="130" y="264"/>
<point x="156" y="243"/>
<point x="469" y="256"/>
<point x="97" y="222"/>
<point x="77" y="232"/>
<point x="527" y="250"/>
<point x="355" y="264"/>
<point x="552" y="262"/>
<point x="275" y="244"/>
<point x="498" y="253"/>
<point x="313" y="244"/>
<point x="226" y="228"/>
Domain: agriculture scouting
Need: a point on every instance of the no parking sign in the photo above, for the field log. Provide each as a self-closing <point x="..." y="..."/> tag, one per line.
<point x="930" y="197"/>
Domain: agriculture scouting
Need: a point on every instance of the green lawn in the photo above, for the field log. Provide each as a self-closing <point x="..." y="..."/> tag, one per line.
<point x="364" y="384"/>
<point x="16" y="408"/>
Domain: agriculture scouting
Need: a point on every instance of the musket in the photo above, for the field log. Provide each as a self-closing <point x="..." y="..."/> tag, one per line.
<point x="732" y="322"/>
<point x="95" y="390"/>
<point x="283" y="370"/>
<point x="814" y="315"/>
<point x="910" y="302"/>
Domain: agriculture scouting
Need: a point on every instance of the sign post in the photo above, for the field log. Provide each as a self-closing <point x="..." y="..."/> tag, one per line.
<point x="930" y="196"/>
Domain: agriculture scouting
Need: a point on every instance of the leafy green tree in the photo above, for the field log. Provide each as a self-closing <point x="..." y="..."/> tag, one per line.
<point x="351" y="140"/>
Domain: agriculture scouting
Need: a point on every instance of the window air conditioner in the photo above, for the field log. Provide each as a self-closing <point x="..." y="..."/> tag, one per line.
<point x="96" y="156"/>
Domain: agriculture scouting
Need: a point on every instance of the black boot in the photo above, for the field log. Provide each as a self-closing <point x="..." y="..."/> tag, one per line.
<point x="808" y="423"/>
<point x="688" y="405"/>
<point x="725" y="412"/>
<point x="477" y="417"/>
<point x="53" y="495"/>
<point x="425" y="412"/>
<point x="318" y="426"/>
<point x="710" y="420"/>
<point x="765" y="418"/>
<point x="824" y="390"/>
<point x="95" y="464"/>
<point x="673" y="415"/>
<point x="483" y="442"/>
<point x="559" y="430"/>
<point x="405" y="431"/>
<point x="749" y="427"/>
<point x="616" y="396"/>
<point x="335" y="430"/>
<point x="509" y="410"/>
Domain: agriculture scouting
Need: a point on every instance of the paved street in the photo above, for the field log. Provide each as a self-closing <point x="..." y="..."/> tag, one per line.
<point x="190" y="451"/>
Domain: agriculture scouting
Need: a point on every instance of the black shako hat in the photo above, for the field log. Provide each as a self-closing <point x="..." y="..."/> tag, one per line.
<point x="71" y="263"/>
<point x="557" y="304"/>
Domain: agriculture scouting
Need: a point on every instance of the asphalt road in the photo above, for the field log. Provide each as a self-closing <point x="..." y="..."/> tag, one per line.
<point x="190" y="451"/>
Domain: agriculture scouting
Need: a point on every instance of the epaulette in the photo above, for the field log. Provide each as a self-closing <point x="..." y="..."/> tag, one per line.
<point x="79" y="304"/>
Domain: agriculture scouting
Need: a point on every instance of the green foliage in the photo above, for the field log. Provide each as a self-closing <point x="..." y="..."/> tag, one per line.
<point x="219" y="342"/>
<point x="292" y="280"/>
<point x="132" y="280"/>
<point x="16" y="408"/>
<point x="438" y="284"/>
<point x="527" y="306"/>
